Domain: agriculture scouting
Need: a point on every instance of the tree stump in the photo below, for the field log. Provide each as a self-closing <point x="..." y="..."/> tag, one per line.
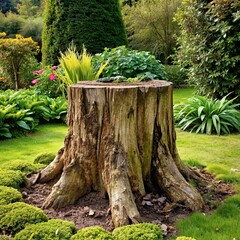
<point x="121" y="142"/>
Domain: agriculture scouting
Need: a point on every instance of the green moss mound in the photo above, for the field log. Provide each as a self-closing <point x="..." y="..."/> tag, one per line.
<point x="22" y="166"/>
<point x="15" y="216"/>
<point x="140" y="231"/>
<point x="54" y="229"/>
<point x="185" y="238"/>
<point x="9" y="195"/>
<point x="44" y="158"/>
<point x="92" y="233"/>
<point x="4" y="237"/>
<point x="11" y="178"/>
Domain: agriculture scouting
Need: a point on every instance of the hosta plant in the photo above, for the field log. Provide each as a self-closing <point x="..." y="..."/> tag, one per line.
<point x="211" y="116"/>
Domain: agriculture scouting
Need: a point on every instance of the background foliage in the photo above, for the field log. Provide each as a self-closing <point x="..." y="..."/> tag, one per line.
<point x="208" y="45"/>
<point x="92" y="23"/>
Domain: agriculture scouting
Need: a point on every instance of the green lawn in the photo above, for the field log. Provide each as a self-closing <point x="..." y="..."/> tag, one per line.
<point x="221" y="155"/>
<point x="48" y="138"/>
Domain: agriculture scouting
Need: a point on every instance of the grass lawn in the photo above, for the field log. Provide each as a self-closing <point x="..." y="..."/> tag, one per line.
<point x="220" y="154"/>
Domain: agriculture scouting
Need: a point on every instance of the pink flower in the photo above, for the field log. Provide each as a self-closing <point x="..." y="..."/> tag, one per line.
<point x="34" y="73"/>
<point x="40" y="71"/>
<point x="54" y="67"/>
<point x="52" y="76"/>
<point x="35" y="81"/>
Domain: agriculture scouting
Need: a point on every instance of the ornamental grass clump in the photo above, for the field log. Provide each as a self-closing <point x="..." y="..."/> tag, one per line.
<point x="78" y="67"/>
<point x="140" y="231"/>
<point x="54" y="229"/>
<point x="210" y="116"/>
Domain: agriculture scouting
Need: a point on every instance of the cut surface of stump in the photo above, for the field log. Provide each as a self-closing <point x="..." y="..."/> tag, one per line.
<point x="121" y="142"/>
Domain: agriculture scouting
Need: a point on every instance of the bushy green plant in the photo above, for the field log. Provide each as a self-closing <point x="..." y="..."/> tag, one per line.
<point x="92" y="233"/>
<point x="203" y="115"/>
<point x="44" y="158"/>
<point x="14" y="53"/>
<point x="208" y="46"/>
<point x="54" y="229"/>
<point x="22" y="166"/>
<point x="176" y="75"/>
<point x="22" y="111"/>
<point x="17" y="215"/>
<point x="185" y="238"/>
<point x="9" y="195"/>
<point x="96" y="25"/>
<point x="130" y="64"/>
<point x="78" y="67"/>
<point x="141" y="231"/>
<point x="11" y="178"/>
<point x="46" y="81"/>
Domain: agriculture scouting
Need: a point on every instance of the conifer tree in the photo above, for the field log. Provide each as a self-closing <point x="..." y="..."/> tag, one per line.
<point x="95" y="23"/>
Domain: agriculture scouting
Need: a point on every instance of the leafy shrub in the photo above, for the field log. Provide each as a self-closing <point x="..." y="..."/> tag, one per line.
<point x="15" y="53"/>
<point x="92" y="233"/>
<point x="17" y="215"/>
<point x="141" y="231"/>
<point x="47" y="82"/>
<point x="204" y="115"/>
<point x="9" y="195"/>
<point x="22" y="166"/>
<point x="45" y="158"/>
<point x="176" y="75"/>
<point x="129" y="63"/>
<point x="185" y="238"/>
<point x="22" y="111"/>
<point x="54" y="229"/>
<point x="11" y="178"/>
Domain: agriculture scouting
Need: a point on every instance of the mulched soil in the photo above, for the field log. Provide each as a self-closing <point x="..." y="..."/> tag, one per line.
<point x="93" y="209"/>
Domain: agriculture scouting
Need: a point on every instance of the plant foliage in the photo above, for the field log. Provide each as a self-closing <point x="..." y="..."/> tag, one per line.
<point x="130" y="64"/>
<point x="9" y="195"/>
<point x="17" y="215"/>
<point x="208" y="45"/>
<point x="78" y="67"/>
<point x="203" y="115"/>
<point x="22" y="111"/>
<point x="14" y="53"/>
<point x="141" y="231"/>
<point x="54" y="229"/>
<point x="11" y="178"/>
<point x="92" y="233"/>
<point x="96" y="24"/>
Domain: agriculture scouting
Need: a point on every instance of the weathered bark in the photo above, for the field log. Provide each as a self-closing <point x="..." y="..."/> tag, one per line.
<point x="121" y="141"/>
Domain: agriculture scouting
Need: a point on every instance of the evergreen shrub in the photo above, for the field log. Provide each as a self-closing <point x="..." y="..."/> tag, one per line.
<point x="54" y="229"/>
<point x="92" y="233"/>
<point x="9" y="195"/>
<point x="11" y="178"/>
<point x="141" y="231"/>
<point x="96" y="24"/>
<point x="15" y="216"/>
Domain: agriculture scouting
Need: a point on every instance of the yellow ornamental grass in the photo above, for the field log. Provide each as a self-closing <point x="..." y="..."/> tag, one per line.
<point x="78" y="67"/>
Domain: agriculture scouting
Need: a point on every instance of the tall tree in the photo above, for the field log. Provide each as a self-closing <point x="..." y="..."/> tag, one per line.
<point x="208" y="45"/>
<point x="150" y="26"/>
<point x="95" y="23"/>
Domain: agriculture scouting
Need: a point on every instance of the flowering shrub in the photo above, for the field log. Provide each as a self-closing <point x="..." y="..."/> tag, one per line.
<point x="46" y="81"/>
